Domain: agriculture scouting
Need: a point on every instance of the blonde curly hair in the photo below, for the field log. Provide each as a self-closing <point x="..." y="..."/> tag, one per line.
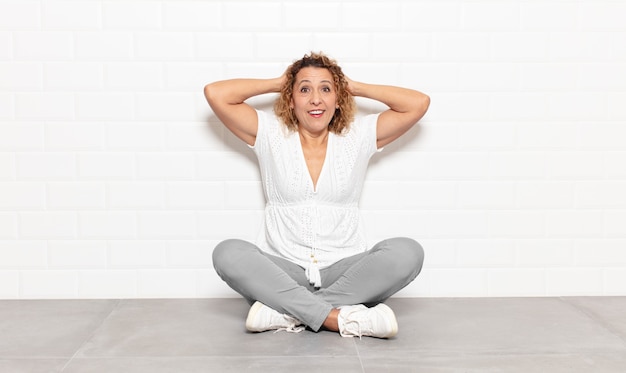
<point x="344" y="115"/>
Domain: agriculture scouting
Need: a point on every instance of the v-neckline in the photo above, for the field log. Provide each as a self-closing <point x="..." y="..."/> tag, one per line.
<point x="314" y="185"/>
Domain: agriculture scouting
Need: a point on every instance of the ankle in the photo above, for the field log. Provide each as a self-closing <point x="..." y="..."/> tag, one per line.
<point x="332" y="320"/>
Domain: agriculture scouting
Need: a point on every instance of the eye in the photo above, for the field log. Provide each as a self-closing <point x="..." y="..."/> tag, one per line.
<point x="304" y="90"/>
<point x="326" y="89"/>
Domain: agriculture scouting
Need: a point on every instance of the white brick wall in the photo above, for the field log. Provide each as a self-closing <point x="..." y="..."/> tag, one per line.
<point x="117" y="181"/>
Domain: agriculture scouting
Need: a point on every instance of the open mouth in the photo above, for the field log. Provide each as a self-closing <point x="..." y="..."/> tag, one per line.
<point x="316" y="113"/>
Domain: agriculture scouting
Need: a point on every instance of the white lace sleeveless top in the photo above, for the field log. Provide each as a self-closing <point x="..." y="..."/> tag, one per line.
<point x="313" y="227"/>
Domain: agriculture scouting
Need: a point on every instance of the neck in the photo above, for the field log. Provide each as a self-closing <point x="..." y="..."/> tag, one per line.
<point x="313" y="139"/>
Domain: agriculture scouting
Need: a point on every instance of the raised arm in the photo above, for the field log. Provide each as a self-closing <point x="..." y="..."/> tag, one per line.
<point x="406" y="107"/>
<point x="227" y="99"/>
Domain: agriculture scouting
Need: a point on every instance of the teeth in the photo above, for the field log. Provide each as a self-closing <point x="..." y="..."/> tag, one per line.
<point x="316" y="112"/>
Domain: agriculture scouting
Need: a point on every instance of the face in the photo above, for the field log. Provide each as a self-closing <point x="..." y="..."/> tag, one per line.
<point x="314" y="99"/>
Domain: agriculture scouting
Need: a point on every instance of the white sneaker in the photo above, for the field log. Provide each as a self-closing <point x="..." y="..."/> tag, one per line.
<point x="262" y="318"/>
<point x="379" y="321"/>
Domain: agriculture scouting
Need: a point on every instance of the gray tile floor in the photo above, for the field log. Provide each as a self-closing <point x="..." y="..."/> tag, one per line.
<point x="548" y="335"/>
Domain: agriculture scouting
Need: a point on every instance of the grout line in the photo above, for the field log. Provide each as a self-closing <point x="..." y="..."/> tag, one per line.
<point x="92" y="334"/>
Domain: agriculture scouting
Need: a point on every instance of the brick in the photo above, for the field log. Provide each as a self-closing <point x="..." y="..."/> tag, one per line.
<point x="517" y="165"/>
<point x="21" y="76"/>
<point x="431" y="16"/>
<point x="22" y="255"/>
<point x="541" y="136"/>
<point x="544" y="252"/>
<point x="170" y="166"/>
<point x="48" y="225"/>
<point x="512" y="106"/>
<point x="73" y="76"/>
<point x="192" y="15"/>
<point x="7" y="166"/>
<point x="549" y="77"/>
<point x="370" y="16"/>
<point x="458" y="107"/>
<point x="517" y="224"/>
<point x="574" y="223"/>
<point x="486" y="253"/>
<point x="486" y="195"/>
<point x="617" y="111"/>
<point x="104" y="46"/>
<point x="7" y="106"/>
<point x="596" y="136"/>
<point x="387" y="46"/>
<point x="614" y="280"/>
<point x="9" y="284"/>
<point x="196" y="195"/>
<point x="294" y="12"/>
<point x="545" y="194"/>
<point x="190" y="254"/>
<point x="462" y="47"/>
<point x="72" y="15"/>
<point x="22" y="196"/>
<point x="520" y="47"/>
<point x="6" y="45"/>
<point x="576" y="47"/>
<point x="599" y="253"/>
<point x="135" y="195"/>
<point x="342" y="46"/>
<point x="107" y="225"/>
<point x="169" y="46"/>
<point x="549" y="16"/>
<point x="280" y="46"/>
<point x="261" y="15"/>
<point x="20" y="15"/>
<point x="106" y="166"/>
<point x="458" y="282"/>
<point x="600" y="194"/>
<point x="228" y="224"/>
<point x="604" y="77"/>
<point x="46" y="166"/>
<point x="516" y="282"/>
<point x="169" y="224"/>
<point x="21" y="136"/>
<point x="166" y="283"/>
<point x="487" y="136"/>
<point x="132" y="15"/>
<point x="165" y="106"/>
<point x="8" y="225"/>
<point x="222" y="166"/>
<point x="574" y="165"/>
<point x="489" y="77"/>
<point x="43" y="45"/>
<point x="48" y="284"/>
<point x="189" y="77"/>
<point x="133" y="76"/>
<point x="225" y="46"/>
<point x="107" y="284"/>
<point x="478" y="16"/>
<point x="105" y="106"/>
<point x="195" y="136"/>
<point x="77" y="254"/>
<point x="136" y="254"/>
<point x="44" y="106"/>
<point x="613" y="162"/>
<point x="572" y="282"/>
<point x="459" y="165"/>
<point x="74" y="137"/>
<point x="602" y="16"/>
<point x="76" y="195"/>
<point x="614" y="223"/>
<point x="134" y="136"/>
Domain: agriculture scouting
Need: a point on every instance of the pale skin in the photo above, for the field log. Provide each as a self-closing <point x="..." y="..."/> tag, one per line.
<point x="314" y="102"/>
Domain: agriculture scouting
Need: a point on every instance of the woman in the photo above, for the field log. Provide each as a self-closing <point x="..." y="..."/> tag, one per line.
<point x="311" y="266"/>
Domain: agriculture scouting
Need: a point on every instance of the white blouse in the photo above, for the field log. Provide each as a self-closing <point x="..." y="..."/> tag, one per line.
<point x="313" y="227"/>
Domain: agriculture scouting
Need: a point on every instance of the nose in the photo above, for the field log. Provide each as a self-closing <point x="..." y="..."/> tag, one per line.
<point x="315" y="98"/>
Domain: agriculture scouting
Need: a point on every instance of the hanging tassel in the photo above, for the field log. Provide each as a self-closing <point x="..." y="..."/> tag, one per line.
<point x="313" y="273"/>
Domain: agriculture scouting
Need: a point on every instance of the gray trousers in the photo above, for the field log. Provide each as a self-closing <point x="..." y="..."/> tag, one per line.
<point x="367" y="278"/>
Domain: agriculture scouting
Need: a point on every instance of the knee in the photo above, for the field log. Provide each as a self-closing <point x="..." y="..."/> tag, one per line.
<point x="228" y="253"/>
<point x="409" y="252"/>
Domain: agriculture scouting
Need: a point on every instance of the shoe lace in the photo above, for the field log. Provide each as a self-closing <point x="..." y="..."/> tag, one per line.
<point x="294" y="326"/>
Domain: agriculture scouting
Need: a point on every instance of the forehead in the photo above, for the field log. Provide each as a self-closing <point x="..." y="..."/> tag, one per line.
<point x="313" y="74"/>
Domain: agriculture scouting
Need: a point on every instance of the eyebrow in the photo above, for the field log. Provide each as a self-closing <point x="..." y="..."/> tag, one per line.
<point x="308" y="81"/>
